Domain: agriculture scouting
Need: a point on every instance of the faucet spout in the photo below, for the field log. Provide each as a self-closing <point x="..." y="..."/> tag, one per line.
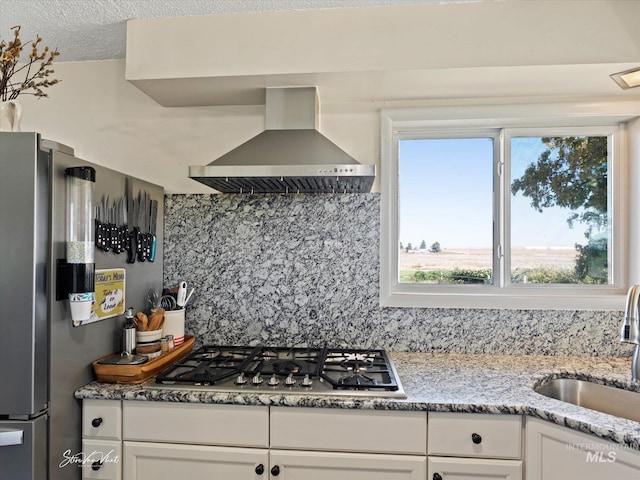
<point x="630" y="331"/>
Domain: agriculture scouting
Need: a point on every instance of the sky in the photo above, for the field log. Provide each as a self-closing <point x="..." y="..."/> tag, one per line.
<point x="446" y="196"/>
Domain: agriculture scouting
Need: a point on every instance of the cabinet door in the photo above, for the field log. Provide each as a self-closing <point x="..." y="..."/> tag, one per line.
<point x="442" y="468"/>
<point x="102" y="459"/>
<point x="558" y="453"/>
<point x="154" y="461"/>
<point x="302" y="465"/>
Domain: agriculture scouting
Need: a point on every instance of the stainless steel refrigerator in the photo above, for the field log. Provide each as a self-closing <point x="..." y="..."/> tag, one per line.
<point x="43" y="357"/>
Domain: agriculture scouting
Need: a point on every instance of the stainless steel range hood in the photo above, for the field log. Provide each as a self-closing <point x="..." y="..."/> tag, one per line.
<point x="290" y="156"/>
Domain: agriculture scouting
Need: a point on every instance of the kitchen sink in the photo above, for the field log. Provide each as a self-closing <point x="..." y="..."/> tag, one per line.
<point x="603" y="398"/>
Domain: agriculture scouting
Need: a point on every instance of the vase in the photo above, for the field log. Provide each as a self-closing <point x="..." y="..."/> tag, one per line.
<point x="10" y="116"/>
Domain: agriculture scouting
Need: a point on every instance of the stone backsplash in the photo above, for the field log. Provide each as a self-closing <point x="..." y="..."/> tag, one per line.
<point x="304" y="270"/>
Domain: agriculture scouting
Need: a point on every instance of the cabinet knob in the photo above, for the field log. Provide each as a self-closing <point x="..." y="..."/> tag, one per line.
<point x="475" y="438"/>
<point x="96" y="422"/>
<point x="437" y="476"/>
<point x="260" y="469"/>
<point x="95" y="466"/>
<point x="275" y="471"/>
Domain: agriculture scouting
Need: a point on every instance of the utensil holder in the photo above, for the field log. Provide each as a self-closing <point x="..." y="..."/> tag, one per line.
<point x="174" y="325"/>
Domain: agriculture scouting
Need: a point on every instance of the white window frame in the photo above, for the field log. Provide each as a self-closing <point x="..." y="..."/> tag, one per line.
<point x="406" y="123"/>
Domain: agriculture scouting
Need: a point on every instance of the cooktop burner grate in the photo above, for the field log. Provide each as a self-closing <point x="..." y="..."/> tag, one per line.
<point x="359" y="369"/>
<point x="302" y="371"/>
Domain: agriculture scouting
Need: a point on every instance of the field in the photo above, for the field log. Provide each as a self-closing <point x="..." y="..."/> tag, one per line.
<point x="473" y="259"/>
<point x="468" y="265"/>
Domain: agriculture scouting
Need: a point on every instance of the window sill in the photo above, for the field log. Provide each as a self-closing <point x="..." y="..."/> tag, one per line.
<point x="507" y="300"/>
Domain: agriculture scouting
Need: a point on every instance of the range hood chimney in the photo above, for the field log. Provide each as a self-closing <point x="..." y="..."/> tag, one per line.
<point x="290" y="156"/>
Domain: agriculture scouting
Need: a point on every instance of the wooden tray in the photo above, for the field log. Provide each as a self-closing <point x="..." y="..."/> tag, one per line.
<point x="140" y="373"/>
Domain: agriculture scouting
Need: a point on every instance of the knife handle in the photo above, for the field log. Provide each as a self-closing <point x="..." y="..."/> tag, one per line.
<point x="98" y="227"/>
<point x="123" y="238"/>
<point x="152" y="253"/>
<point x="132" y="246"/>
<point x="106" y="244"/>
<point x="118" y="240"/>
<point x="140" y="240"/>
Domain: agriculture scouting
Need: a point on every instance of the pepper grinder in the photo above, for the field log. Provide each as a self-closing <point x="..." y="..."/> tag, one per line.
<point x="128" y="334"/>
<point x="127" y="357"/>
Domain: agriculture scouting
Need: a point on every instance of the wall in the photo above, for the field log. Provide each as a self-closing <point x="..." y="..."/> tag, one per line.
<point x="112" y="123"/>
<point x="109" y="122"/>
<point x="304" y="270"/>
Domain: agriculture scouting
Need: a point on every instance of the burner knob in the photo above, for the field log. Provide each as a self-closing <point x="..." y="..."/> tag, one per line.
<point x="241" y="380"/>
<point x="257" y="379"/>
<point x="306" y="381"/>
<point x="273" y="381"/>
<point x="290" y="381"/>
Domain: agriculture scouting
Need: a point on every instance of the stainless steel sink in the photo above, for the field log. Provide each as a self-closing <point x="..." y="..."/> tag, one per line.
<point x="605" y="399"/>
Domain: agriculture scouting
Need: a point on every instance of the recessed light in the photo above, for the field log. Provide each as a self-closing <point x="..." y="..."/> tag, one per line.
<point x="628" y="78"/>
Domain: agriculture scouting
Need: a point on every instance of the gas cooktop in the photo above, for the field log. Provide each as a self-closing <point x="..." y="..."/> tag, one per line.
<point x="313" y="371"/>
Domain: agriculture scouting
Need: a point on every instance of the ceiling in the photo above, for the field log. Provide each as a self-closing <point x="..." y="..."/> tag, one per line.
<point x="84" y="30"/>
<point x="93" y="30"/>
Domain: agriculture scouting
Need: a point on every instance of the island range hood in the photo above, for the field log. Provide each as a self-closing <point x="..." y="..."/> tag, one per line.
<point x="290" y="156"/>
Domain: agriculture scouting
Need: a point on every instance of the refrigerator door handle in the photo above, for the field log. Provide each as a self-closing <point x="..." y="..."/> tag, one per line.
<point x="10" y="437"/>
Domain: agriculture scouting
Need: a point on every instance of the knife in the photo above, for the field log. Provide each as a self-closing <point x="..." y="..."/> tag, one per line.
<point x="132" y="246"/>
<point x="116" y="233"/>
<point x="152" y="230"/>
<point x="117" y="248"/>
<point x="106" y="224"/>
<point x="139" y="228"/>
<point x="113" y="241"/>
<point x="98" y="226"/>
<point x="123" y="225"/>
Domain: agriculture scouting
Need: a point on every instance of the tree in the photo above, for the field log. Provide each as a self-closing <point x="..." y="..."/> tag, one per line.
<point x="435" y="247"/>
<point x="571" y="173"/>
<point x="592" y="261"/>
<point x="409" y="247"/>
<point x="423" y="245"/>
<point x="401" y="247"/>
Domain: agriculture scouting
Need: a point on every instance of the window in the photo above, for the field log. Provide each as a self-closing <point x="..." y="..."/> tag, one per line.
<point x="483" y="211"/>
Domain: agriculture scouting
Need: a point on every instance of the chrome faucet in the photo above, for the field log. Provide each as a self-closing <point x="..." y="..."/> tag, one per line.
<point x="630" y="331"/>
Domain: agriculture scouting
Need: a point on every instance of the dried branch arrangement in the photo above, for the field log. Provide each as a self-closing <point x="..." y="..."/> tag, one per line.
<point x="36" y="70"/>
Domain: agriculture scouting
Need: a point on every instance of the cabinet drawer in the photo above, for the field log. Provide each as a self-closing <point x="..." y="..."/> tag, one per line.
<point x="103" y="459"/>
<point x="474" y="468"/>
<point x="235" y="425"/>
<point x="475" y="435"/>
<point x="102" y="419"/>
<point x="160" y="461"/>
<point x="303" y="465"/>
<point x="381" y="431"/>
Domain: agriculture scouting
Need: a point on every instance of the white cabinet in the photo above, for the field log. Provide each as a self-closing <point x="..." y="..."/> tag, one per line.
<point x="558" y="453"/>
<point x="195" y="441"/>
<point x="135" y="440"/>
<point x="154" y="461"/>
<point x="308" y="465"/>
<point x="466" y="446"/>
<point x="336" y="444"/>
<point x="196" y="423"/>
<point x="102" y="439"/>
<point x="443" y="468"/>
<point x="335" y="429"/>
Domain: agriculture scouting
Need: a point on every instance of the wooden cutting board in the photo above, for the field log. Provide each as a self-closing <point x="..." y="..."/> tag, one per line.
<point x="139" y="373"/>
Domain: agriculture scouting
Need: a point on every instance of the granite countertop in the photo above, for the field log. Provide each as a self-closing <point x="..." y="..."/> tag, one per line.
<point x="446" y="383"/>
